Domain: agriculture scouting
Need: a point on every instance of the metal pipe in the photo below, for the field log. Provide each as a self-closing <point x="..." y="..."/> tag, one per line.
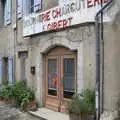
<point x="97" y="92"/>
<point x="103" y="8"/>
<point x="102" y="61"/>
<point x="98" y="56"/>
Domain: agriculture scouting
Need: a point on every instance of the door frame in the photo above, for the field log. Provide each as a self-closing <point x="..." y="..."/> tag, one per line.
<point x="60" y="98"/>
<point x="49" y="98"/>
<point x="50" y="57"/>
<point x="63" y="100"/>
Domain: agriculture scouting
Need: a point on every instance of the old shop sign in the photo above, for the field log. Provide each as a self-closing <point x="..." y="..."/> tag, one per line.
<point x="62" y="16"/>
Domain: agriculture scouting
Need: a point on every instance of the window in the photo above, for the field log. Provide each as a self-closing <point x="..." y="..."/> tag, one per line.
<point x="23" y="56"/>
<point x="37" y="5"/>
<point x="32" y="6"/>
<point x="25" y="7"/>
<point x="7" y="11"/>
<point x="6" y="70"/>
<point x="19" y="8"/>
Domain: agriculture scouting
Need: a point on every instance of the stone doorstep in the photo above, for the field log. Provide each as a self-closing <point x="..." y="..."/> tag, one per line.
<point x="47" y="114"/>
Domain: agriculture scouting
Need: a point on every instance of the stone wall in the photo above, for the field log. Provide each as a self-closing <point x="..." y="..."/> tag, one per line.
<point x="7" y="32"/>
<point x="111" y="89"/>
<point x="80" y="38"/>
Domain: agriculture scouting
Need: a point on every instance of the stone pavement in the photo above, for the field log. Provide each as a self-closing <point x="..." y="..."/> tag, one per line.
<point x="10" y="113"/>
<point x="48" y="114"/>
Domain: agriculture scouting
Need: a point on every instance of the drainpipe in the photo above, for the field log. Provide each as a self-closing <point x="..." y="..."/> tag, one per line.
<point x="99" y="39"/>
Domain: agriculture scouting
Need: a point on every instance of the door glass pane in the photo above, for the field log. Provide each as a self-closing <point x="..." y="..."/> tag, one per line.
<point x="52" y="77"/>
<point x="69" y="77"/>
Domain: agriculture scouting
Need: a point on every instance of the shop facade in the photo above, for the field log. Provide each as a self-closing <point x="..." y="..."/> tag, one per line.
<point x="60" y="43"/>
<point x="63" y="43"/>
<point x="54" y="50"/>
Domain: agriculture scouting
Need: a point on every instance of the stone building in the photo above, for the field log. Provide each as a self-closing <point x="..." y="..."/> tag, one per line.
<point x="51" y="43"/>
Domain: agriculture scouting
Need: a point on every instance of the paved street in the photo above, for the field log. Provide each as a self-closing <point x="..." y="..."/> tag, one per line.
<point x="9" y="113"/>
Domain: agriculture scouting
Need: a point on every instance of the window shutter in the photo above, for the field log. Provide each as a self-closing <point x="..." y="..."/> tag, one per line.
<point x="26" y="9"/>
<point x="0" y="70"/>
<point x="5" y="12"/>
<point x="37" y="5"/>
<point x="32" y="6"/>
<point x="8" y="11"/>
<point x="19" y="8"/>
<point x="10" y="70"/>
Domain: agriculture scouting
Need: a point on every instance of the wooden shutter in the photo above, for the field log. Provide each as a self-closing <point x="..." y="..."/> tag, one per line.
<point x="8" y="11"/>
<point x="0" y="70"/>
<point x="19" y="8"/>
<point x="10" y="70"/>
<point x="37" y="5"/>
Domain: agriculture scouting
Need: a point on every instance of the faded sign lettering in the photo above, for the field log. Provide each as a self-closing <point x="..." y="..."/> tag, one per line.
<point x="64" y="15"/>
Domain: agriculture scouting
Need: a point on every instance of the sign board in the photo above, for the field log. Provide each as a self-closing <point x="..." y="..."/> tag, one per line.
<point x="73" y="12"/>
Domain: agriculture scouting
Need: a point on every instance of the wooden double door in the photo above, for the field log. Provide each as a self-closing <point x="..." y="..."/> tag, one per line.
<point x="60" y="78"/>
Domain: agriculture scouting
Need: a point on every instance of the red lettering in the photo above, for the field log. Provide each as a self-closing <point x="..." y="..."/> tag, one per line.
<point x="54" y="14"/>
<point x="89" y="3"/>
<point x="58" y="12"/>
<point x="105" y="1"/>
<point x="98" y="2"/>
<point x="46" y="16"/>
<point x="69" y="19"/>
<point x="65" y="23"/>
<point x="54" y="25"/>
<point x="60" y="23"/>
